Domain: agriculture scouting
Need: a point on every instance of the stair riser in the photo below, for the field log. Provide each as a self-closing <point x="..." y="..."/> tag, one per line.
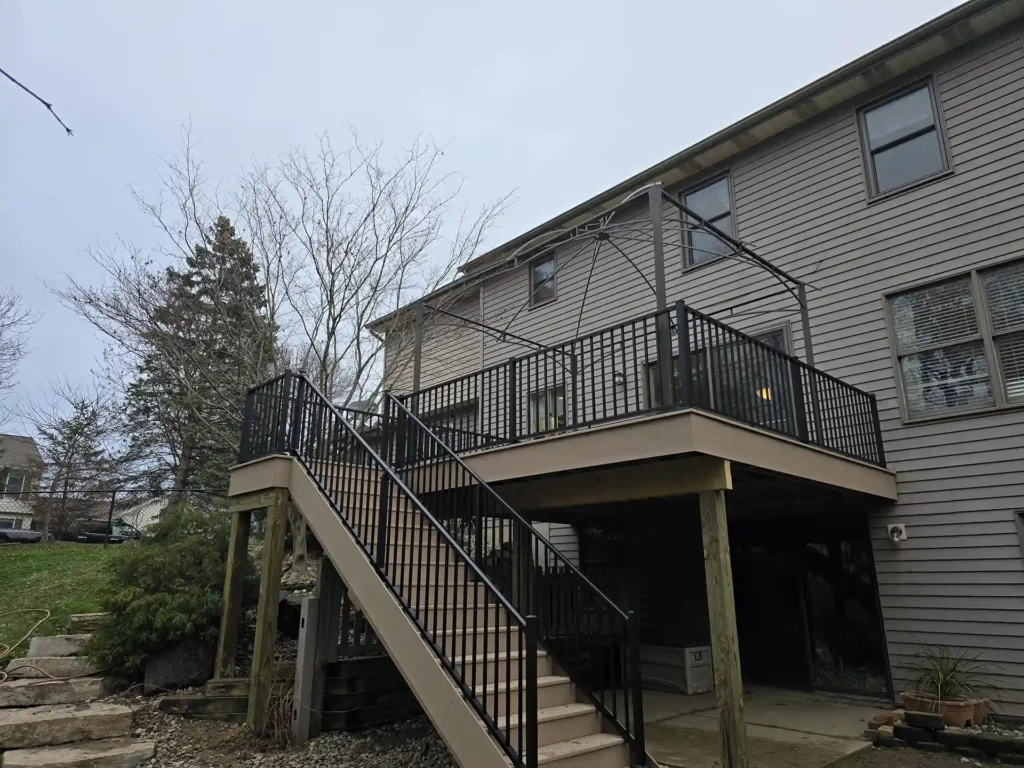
<point x="414" y="576"/>
<point x="505" y="670"/>
<point x="454" y="594"/>
<point x="495" y="642"/>
<point x="564" y="729"/>
<point x="547" y="696"/>
<point x="610" y="757"/>
<point x="454" y="620"/>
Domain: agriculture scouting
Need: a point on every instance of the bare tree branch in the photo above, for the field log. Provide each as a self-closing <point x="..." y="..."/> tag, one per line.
<point x="38" y="98"/>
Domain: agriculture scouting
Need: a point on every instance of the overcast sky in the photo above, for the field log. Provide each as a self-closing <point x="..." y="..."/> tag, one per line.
<point x="558" y="100"/>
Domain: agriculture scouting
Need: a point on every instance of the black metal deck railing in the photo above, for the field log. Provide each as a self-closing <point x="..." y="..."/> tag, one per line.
<point x="616" y="372"/>
<point x="428" y="570"/>
<point x="592" y="639"/>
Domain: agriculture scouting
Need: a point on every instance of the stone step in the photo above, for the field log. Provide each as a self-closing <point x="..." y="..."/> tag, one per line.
<point x="58" y="645"/>
<point x="80" y="623"/>
<point x="31" y="692"/>
<point x="52" y="666"/>
<point x="62" y="724"/>
<point x="107" y="753"/>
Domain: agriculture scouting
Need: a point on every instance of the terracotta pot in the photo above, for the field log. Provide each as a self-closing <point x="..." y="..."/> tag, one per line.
<point x="982" y="707"/>
<point x="955" y="712"/>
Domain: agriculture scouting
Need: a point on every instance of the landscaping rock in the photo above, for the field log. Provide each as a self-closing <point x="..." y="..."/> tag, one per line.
<point x="884" y="718"/>
<point x="884" y="736"/>
<point x="33" y="692"/>
<point x="911" y="734"/>
<point x="52" y="666"/>
<point x="930" y="720"/>
<point x="84" y="623"/>
<point x="59" y="645"/>
<point x="186" y="664"/>
<point x="928" y="746"/>
<point x="108" y="753"/>
<point x="60" y="724"/>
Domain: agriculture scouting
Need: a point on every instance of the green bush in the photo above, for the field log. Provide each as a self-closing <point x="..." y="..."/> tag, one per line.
<point x="164" y="589"/>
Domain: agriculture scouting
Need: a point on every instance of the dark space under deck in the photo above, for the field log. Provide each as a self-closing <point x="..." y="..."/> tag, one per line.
<point x="803" y="575"/>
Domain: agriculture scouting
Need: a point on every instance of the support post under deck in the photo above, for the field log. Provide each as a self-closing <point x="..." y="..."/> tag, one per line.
<point x="725" y="650"/>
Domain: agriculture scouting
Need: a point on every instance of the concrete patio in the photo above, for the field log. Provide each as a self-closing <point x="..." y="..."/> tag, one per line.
<point x="784" y="728"/>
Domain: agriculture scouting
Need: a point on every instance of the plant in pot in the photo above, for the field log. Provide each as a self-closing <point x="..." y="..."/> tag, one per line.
<point x="947" y="684"/>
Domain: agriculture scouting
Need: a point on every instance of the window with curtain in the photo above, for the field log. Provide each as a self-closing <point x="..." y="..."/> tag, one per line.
<point x="960" y="342"/>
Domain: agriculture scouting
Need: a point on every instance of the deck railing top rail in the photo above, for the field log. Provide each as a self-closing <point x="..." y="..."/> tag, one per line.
<point x="615" y="372"/>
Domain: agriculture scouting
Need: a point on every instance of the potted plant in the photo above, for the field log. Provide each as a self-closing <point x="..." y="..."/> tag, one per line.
<point x="947" y="684"/>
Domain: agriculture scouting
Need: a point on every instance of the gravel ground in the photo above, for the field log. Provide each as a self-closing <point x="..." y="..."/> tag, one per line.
<point x="186" y="743"/>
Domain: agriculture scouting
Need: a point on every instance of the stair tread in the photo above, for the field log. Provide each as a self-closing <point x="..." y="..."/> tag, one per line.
<point x="557" y="712"/>
<point x="542" y="681"/>
<point x="125" y="750"/>
<point x="578" y="746"/>
<point x="494" y="657"/>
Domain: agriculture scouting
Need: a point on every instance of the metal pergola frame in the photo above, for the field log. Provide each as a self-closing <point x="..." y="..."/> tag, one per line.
<point x="601" y="228"/>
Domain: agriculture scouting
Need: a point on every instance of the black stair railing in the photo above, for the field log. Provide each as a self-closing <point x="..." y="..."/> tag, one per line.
<point x="479" y="635"/>
<point x="592" y="639"/>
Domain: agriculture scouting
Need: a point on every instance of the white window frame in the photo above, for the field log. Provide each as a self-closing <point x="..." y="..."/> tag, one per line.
<point x="7" y="491"/>
<point x="997" y="381"/>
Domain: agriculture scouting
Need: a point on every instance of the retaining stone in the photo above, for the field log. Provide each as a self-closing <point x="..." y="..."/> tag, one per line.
<point x="994" y="743"/>
<point x="930" y="720"/>
<point x="86" y="622"/>
<point x="52" y="666"/>
<point x="62" y="723"/>
<point x="911" y="734"/>
<point x="31" y="692"/>
<point x="58" y="645"/>
<point x="955" y="737"/>
<point x="108" y="753"/>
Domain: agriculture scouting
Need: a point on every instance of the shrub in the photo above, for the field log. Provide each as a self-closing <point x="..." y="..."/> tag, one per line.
<point x="948" y="674"/>
<point x="164" y="590"/>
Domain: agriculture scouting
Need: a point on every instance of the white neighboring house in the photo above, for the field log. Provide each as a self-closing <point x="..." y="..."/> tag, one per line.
<point x="145" y="514"/>
<point x="20" y="468"/>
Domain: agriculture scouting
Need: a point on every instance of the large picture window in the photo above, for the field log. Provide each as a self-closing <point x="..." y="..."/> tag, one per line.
<point x="902" y="140"/>
<point x="960" y="343"/>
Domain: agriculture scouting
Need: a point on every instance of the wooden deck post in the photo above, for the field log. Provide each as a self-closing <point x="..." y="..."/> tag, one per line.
<point x="725" y="650"/>
<point x="234" y="574"/>
<point x="305" y="661"/>
<point x="261" y="680"/>
<point x="329" y="591"/>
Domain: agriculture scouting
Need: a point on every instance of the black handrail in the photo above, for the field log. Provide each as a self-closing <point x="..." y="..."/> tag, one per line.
<point x="590" y="637"/>
<point x="417" y="557"/>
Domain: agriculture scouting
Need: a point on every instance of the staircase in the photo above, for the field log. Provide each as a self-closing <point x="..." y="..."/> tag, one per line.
<point x="50" y="716"/>
<point x="515" y="657"/>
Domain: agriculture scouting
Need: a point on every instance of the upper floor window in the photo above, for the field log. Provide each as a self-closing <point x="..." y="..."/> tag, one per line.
<point x="960" y="343"/>
<point x="12" y="482"/>
<point x="542" y="280"/>
<point x="713" y="202"/>
<point x="903" y="140"/>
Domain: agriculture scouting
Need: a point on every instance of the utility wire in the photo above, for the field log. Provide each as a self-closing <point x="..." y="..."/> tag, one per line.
<point x="38" y="98"/>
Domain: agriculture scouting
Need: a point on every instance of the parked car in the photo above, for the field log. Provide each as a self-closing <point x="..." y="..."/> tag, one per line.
<point x="95" y="532"/>
<point x="20" y="536"/>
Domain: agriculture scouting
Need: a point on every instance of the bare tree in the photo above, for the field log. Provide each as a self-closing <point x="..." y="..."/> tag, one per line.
<point x="15" y="322"/>
<point x="354" y="236"/>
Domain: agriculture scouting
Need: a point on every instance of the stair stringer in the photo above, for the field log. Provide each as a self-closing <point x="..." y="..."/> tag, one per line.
<point x="459" y="726"/>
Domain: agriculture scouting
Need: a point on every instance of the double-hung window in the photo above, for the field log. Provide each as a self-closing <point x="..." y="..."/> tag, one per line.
<point x="12" y="482"/>
<point x="713" y="203"/>
<point x="542" y="280"/>
<point x="902" y="140"/>
<point x="960" y="343"/>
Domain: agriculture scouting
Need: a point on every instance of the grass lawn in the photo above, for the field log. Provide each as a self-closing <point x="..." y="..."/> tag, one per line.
<point x="63" y="577"/>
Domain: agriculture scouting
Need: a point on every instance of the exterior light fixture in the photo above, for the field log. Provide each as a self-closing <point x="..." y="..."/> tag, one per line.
<point x="620" y="379"/>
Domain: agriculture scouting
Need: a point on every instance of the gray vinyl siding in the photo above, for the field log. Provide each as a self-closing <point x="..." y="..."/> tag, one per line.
<point x="801" y="201"/>
<point x="563" y="537"/>
<point x="450" y="348"/>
